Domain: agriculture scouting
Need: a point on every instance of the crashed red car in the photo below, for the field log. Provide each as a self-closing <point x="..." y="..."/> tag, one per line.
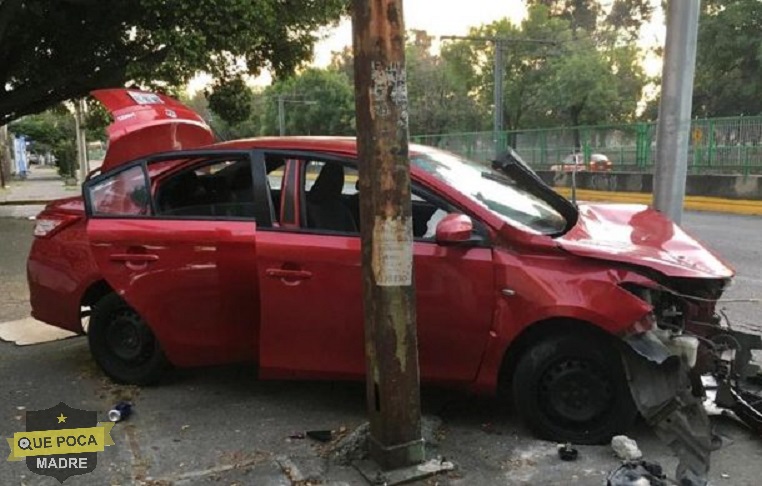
<point x="191" y="253"/>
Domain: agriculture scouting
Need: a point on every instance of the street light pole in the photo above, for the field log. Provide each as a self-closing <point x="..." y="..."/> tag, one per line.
<point x="281" y="115"/>
<point x="674" y="124"/>
<point x="391" y="344"/>
<point x="500" y="44"/>
<point x="282" y="111"/>
<point x="498" y="93"/>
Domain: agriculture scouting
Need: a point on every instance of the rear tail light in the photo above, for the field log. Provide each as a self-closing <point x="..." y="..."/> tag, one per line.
<point x="49" y="224"/>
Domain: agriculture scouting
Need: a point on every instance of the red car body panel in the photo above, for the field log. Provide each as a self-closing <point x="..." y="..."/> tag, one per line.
<point x="217" y="291"/>
<point x="197" y="286"/>
<point x="641" y="236"/>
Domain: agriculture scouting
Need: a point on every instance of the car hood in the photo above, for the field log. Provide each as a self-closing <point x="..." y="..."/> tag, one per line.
<point x="638" y="235"/>
<point x="147" y="123"/>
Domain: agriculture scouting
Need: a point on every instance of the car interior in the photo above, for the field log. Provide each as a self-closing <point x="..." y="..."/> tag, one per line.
<point x="223" y="188"/>
<point x="333" y="206"/>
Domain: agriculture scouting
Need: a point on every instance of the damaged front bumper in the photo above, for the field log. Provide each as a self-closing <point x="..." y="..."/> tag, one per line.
<point x="664" y="370"/>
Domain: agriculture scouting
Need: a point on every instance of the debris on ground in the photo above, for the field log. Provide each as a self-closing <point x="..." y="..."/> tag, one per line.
<point x="637" y="473"/>
<point x="120" y="412"/>
<point x="320" y="435"/>
<point x="567" y="453"/>
<point x="626" y="448"/>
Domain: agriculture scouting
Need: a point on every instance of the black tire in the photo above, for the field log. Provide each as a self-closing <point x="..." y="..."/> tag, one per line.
<point x="573" y="388"/>
<point x="123" y="345"/>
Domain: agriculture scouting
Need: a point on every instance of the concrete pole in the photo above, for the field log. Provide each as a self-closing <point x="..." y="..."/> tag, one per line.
<point x="386" y="231"/>
<point x="673" y="131"/>
<point x="281" y="115"/>
<point x="82" y="158"/>
<point x="498" y="95"/>
<point x="4" y="156"/>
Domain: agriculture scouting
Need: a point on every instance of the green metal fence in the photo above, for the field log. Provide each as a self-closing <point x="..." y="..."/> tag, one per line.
<point x="717" y="145"/>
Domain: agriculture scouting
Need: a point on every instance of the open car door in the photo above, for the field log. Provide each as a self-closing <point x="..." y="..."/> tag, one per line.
<point x="174" y="236"/>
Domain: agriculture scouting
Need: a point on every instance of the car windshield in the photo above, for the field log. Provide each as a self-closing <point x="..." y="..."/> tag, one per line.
<point x="492" y="189"/>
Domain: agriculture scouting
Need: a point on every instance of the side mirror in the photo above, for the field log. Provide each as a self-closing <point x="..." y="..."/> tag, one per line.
<point x="454" y="229"/>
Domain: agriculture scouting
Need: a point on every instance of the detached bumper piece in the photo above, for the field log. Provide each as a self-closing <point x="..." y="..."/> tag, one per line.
<point x="663" y="393"/>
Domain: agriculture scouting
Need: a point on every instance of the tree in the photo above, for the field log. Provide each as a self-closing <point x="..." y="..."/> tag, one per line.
<point x="571" y="82"/>
<point x="622" y="18"/>
<point x="317" y="102"/>
<point x="54" y="50"/>
<point x="728" y="78"/>
<point x="51" y="132"/>
<point x="439" y="95"/>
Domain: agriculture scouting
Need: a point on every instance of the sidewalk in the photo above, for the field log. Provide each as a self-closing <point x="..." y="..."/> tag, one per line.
<point x="42" y="184"/>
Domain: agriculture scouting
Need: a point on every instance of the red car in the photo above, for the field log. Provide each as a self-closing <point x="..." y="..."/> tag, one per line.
<point x="191" y="253"/>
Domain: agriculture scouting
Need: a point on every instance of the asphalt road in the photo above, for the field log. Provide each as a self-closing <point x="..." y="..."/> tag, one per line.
<point x="221" y="426"/>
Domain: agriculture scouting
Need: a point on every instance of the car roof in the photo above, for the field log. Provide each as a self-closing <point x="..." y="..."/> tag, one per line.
<point x="346" y="146"/>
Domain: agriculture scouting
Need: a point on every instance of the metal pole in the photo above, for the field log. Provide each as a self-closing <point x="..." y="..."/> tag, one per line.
<point x="673" y="132"/>
<point x="498" y="93"/>
<point x="281" y="115"/>
<point x="391" y="345"/>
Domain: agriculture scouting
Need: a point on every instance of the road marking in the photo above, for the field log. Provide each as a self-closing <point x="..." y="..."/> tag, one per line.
<point x="25" y="332"/>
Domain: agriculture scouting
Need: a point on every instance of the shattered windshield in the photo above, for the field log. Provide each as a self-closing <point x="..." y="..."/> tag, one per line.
<point x="492" y="189"/>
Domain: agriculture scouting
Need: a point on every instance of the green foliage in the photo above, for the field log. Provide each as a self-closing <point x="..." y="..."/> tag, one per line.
<point x="231" y="100"/>
<point x="54" y="50"/>
<point x="575" y="80"/>
<point x="316" y="102"/>
<point x="51" y="132"/>
<point x="728" y="78"/>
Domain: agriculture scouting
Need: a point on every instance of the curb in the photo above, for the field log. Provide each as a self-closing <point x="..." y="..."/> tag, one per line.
<point x="693" y="203"/>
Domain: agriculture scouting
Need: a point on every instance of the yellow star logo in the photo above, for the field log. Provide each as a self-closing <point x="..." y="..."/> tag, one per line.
<point x="61" y="419"/>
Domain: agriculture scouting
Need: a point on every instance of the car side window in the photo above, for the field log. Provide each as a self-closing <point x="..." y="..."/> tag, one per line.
<point x="331" y="197"/>
<point x="222" y="188"/>
<point x="125" y="193"/>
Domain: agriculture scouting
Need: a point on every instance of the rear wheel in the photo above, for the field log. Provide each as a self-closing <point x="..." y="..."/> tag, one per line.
<point x="572" y="388"/>
<point x="122" y="343"/>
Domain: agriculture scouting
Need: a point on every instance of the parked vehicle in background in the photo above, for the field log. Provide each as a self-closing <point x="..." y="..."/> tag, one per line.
<point x="576" y="161"/>
<point x="192" y="253"/>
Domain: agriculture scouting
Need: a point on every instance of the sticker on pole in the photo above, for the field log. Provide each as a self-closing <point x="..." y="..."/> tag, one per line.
<point x="393" y="252"/>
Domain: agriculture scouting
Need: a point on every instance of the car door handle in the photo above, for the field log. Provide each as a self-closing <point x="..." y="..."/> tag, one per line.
<point x="134" y="257"/>
<point x="288" y="274"/>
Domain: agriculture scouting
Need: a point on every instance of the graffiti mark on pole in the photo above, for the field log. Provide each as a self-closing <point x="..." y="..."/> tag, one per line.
<point x="389" y="84"/>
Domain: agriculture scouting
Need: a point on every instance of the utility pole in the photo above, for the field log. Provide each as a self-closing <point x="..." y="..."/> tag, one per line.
<point x="391" y="345"/>
<point x="500" y="44"/>
<point x="674" y="124"/>
<point x="281" y="115"/>
<point x="498" y="96"/>
<point x="282" y="111"/>
<point x="4" y="155"/>
<point x="82" y="159"/>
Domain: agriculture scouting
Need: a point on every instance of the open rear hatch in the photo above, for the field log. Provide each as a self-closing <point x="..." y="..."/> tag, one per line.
<point x="148" y="123"/>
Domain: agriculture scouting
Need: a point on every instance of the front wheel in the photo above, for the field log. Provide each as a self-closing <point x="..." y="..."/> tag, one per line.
<point x="123" y="345"/>
<point x="573" y="388"/>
